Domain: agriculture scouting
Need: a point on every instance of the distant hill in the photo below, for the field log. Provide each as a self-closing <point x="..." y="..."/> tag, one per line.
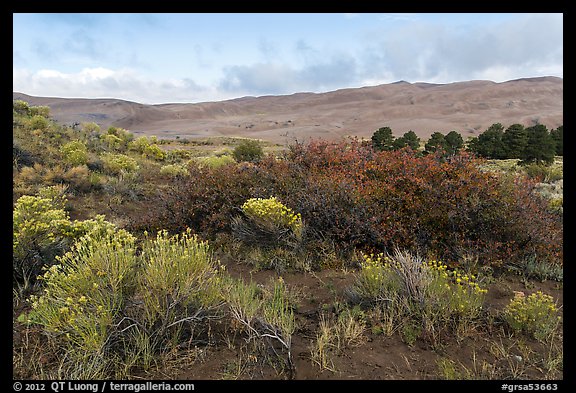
<point x="467" y="107"/>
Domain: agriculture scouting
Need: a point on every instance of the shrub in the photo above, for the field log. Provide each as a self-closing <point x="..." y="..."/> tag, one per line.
<point x="139" y="144"/>
<point x="177" y="155"/>
<point x="535" y="315"/>
<point x="356" y="197"/>
<point x="178" y="284"/>
<point x="78" y="178"/>
<point x="154" y="152"/>
<point x="404" y="286"/>
<point x="271" y="211"/>
<point x="453" y="298"/>
<point x="204" y="201"/>
<point x="22" y="157"/>
<point x="263" y="315"/>
<point x="21" y="107"/>
<point x="112" y="141"/>
<point x="248" y="150"/>
<point x="215" y="162"/>
<point x="91" y="128"/>
<point x="75" y="153"/>
<point x="39" y="229"/>
<point x="110" y="307"/>
<point x="38" y="122"/>
<point x="42" y="230"/>
<point x="543" y="173"/>
<point x="83" y="298"/>
<point x="174" y="170"/>
<point x="335" y="335"/>
<point x="116" y="164"/>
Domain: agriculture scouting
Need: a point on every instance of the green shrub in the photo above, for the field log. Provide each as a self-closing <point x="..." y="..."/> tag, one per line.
<point x="248" y="150"/>
<point x="21" y="107"/>
<point x="178" y="282"/>
<point x="43" y="111"/>
<point x="263" y="315"/>
<point x="139" y="144"/>
<point x="112" y="141"/>
<point x="91" y="128"/>
<point x="42" y="230"/>
<point x="177" y="155"/>
<point x="543" y="173"/>
<point x="377" y="281"/>
<point x="535" y="315"/>
<point x="38" y="122"/>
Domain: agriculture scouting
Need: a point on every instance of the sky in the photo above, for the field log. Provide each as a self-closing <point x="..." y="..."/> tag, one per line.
<point x="197" y="57"/>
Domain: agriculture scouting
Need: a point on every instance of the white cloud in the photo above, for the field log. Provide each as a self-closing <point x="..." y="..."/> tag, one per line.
<point x="106" y="83"/>
<point x="425" y="51"/>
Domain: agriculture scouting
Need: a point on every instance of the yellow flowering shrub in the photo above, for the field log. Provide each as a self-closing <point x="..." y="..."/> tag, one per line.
<point x="174" y="170"/>
<point x="75" y="153"/>
<point x="271" y="211"/>
<point x="104" y="297"/>
<point x="425" y="290"/>
<point x="39" y="227"/>
<point x="178" y="271"/>
<point x="116" y="164"/>
<point x="377" y="279"/>
<point x="42" y="230"/>
<point x="536" y="314"/>
<point x="458" y="293"/>
<point x="84" y="293"/>
<point x="214" y="162"/>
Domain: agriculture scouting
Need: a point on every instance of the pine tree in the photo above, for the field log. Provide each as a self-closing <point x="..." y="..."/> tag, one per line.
<point x="437" y="141"/>
<point x="558" y="136"/>
<point x="540" y="147"/>
<point x="382" y="139"/>
<point x="453" y="142"/>
<point x="412" y="140"/>
<point x="489" y="143"/>
<point x="408" y="139"/>
<point x="514" y="140"/>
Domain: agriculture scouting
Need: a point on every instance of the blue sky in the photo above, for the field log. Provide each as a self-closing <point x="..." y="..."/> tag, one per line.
<point x="161" y="58"/>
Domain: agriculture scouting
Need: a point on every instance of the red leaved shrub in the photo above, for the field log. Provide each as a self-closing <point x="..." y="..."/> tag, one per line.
<point x="357" y="197"/>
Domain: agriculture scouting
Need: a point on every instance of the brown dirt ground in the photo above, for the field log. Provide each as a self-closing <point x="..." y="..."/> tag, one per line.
<point x="378" y="357"/>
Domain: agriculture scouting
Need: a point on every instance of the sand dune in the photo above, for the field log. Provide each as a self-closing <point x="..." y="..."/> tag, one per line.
<point x="467" y="107"/>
